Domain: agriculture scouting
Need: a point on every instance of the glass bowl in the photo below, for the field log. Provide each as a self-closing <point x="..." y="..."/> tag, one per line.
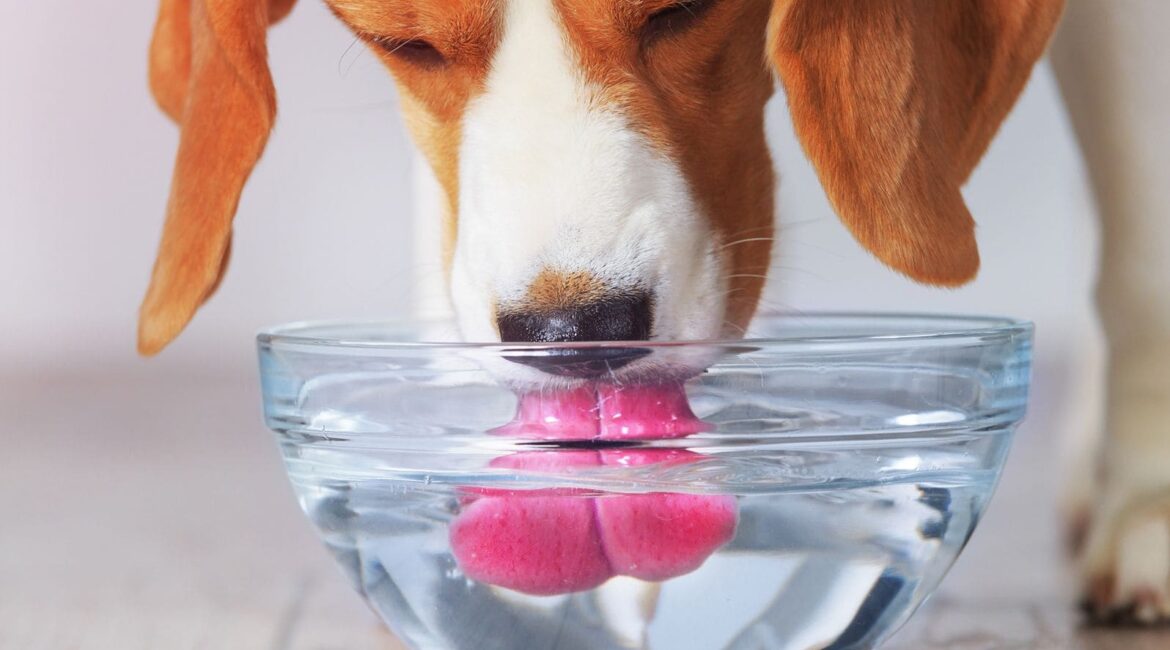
<point x="804" y="487"/>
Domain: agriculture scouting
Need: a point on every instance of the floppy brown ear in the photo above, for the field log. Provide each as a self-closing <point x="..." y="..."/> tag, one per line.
<point x="208" y="72"/>
<point x="895" y="102"/>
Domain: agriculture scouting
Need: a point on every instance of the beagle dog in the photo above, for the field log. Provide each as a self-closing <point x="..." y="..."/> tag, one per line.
<point x="603" y="162"/>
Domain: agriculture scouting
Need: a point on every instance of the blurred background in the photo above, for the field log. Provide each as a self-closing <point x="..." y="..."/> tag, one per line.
<point x="326" y="230"/>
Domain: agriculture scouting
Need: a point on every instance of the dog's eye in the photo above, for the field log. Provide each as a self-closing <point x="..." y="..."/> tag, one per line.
<point x="674" y="19"/>
<point x="416" y="51"/>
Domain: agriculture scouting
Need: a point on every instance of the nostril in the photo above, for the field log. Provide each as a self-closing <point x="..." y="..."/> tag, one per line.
<point x="625" y="317"/>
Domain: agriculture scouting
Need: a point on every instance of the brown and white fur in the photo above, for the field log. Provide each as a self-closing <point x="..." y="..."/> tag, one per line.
<point x="592" y="150"/>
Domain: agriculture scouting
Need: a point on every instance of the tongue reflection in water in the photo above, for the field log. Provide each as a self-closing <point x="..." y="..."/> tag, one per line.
<point x="558" y="541"/>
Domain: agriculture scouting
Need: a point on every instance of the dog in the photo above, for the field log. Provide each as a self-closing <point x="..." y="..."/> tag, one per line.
<point x="605" y="172"/>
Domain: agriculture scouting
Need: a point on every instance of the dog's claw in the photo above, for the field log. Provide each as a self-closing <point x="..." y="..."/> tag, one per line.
<point x="1146" y="606"/>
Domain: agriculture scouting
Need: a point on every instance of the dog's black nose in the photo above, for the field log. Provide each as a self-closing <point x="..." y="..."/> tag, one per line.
<point x="624" y="317"/>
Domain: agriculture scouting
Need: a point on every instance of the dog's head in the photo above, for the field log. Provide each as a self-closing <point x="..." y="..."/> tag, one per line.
<point x="604" y="162"/>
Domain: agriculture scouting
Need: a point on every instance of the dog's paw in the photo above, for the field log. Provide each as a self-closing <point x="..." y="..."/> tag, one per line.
<point x="1127" y="561"/>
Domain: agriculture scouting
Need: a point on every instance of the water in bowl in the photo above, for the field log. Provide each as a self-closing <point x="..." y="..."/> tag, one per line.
<point x="830" y="478"/>
<point x="814" y="562"/>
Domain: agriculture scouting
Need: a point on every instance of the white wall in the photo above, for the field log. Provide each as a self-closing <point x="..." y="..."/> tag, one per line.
<point x="85" y="164"/>
<point x="324" y="231"/>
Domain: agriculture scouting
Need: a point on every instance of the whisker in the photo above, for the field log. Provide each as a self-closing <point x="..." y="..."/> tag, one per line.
<point x="352" y="62"/>
<point x="400" y="46"/>
<point x="748" y="275"/>
<point x="769" y="303"/>
<point x="375" y="39"/>
<point x="824" y="250"/>
<point x="613" y="374"/>
<point x="749" y="231"/>
<point x="795" y="269"/>
<point x="778" y="305"/>
<point x="802" y="222"/>
<point x="747" y="241"/>
<point x="779" y="224"/>
<point x="343" y="73"/>
<point x="742" y="329"/>
<point x="759" y="368"/>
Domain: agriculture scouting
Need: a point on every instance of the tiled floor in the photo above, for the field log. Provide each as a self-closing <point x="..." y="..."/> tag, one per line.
<point x="152" y="512"/>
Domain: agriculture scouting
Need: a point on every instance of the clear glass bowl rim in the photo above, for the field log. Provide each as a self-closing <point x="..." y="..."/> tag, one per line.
<point x="958" y="329"/>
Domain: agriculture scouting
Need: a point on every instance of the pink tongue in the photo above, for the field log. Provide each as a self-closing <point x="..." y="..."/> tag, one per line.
<point x="529" y="541"/>
<point x="645" y="413"/>
<point x="661" y="536"/>
<point x="548" y="542"/>
<point x="605" y="412"/>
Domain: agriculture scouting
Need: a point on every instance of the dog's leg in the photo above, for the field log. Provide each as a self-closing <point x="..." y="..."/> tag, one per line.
<point x="1080" y="432"/>
<point x="1111" y="58"/>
